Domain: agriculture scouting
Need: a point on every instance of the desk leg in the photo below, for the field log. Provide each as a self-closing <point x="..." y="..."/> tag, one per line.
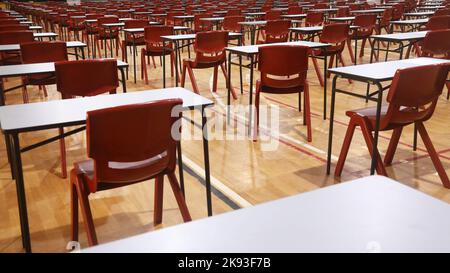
<point x="377" y="128"/>
<point x="415" y="138"/>
<point x="401" y="51"/>
<point x="82" y="53"/>
<point x="372" y="51"/>
<point x="330" y="132"/>
<point x="180" y="167"/>
<point x="2" y="93"/>
<point x="164" y="65"/>
<point x="20" y="188"/>
<point x="387" y="52"/>
<point x="229" y="88"/>
<point x="250" y="99"/>
<point x="176" y="63"/>
<point x="356" y="51"/>
<point x="134" y="57"/>
<point x="252" y="35"/>
<point x="124" y="81"/>
<point x="325" y="77"/>
<point x="9" y="153"/>
<point x="206" y="161"/>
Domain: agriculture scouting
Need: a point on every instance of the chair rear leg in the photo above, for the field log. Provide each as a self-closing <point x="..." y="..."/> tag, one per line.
<point x="73" y="206"/>
<point x="62" y="147"/>
<point x="350" y="50"/>
<point x="369" y="142"/>
<point x="193" y="80"/>
<point x="433" y="154"/>
<point x="318" y="72"/>
<point x="397" y="132"/>
<point x="214" y="87"/>
<point x="159" y="196"/>
<point x="307" y="112"/>
<point x="179" y="197"/>
<point x="86" y="211"/>
<point x="345" y="147"/>
<point x="224" y="71"/>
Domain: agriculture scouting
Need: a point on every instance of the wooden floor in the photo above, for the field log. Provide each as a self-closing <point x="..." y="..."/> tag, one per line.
<point x="243" y="173"/>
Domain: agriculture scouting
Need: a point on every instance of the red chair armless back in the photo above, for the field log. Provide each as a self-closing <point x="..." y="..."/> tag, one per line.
<point x="16" y="37"/>
<point x="210" y="46"/>
<point x="277" y="31"/>
<point x="40" y="52"/>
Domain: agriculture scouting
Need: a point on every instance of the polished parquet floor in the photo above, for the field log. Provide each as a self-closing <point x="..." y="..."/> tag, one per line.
<point x="244" y="172"/>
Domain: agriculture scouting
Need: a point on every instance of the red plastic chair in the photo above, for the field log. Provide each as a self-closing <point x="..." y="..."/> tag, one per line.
<point x="438" y="23"/>
<point x="343" y="12"/>
<point x="155" y="46"/>
<point x="412" y="98"/>
<point x="41" y="52"/>
<point x="283" y="71"/>
<point x="84" y="78"/>
<point x="233" y="12"/>
<point x="272" y="15"/>
<point x="9" y="22"/>
<point x="200" y="25"/>
<point x="136" y="39"/>
<point x="106" y="34"/>
<point x="442" y="12"/>
<point x="140" y="150"/>
<point x="436" y="44"/>
<point x="398" y="11"/>
<point x="366" y="23"/>
<point x="384" y="22"/>
<point x="209" y="52"/>
<point x="295" y="10"/>
<point x="320" y="6"/>
<point x="171" y="21"/>
<point x="314" y="19"/>
<point x="13" y="27"/>
<point x="14" y="37"/>
<point x="336" y="35"/>
<point x="231" y="24"/>
<point x="275" y="31"/>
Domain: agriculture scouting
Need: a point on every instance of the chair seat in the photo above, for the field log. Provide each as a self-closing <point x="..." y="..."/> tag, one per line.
<point x="194" y="64"/>
<point x="371" y="113"/>
<point x="41" y="79"/>
<point x="279" y="90"/>
<point x="86" y="169"/>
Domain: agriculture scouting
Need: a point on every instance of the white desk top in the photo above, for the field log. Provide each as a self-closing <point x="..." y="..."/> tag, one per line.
<point x="368" y="11"/>
<point x="383" y="71"/>
<point x="357" y="216"/>
<point x="253" y="49"/>
<point x="29" y="69"/>
<point x="401" y="36"/>
<point x="44" y="34"/>
<point x="410" y="22"/>
<point x="138" y="30"/>
<point x="50" y="114"/>
<point x="302" y="15"/>
<point x="70" y="44"/>
<point x="181" y="37"/>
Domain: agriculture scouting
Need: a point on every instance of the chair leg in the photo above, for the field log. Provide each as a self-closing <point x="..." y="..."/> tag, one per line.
<point x="369" y="142"/>
<point x="183" y="75"/>
<point x="24" y="92"/>
<point x="193" y="80"/>
<point x="397" y="132"/>
<point x="214" y="87"/>
<point x="224" y="71"/>
<point x="97" y="45"/>
<point x="62" y="147"/>
<point x="350" y="50"/>
<point x="363" y="44"/>
<point x="73" y="206"/>
<point x="307" y="112"/>
<point x="45" y="91"/>
<point x="433" y="154"/>
<point x="179" y="197"/>
<point x="158" y="203"/>
<point x="86" y="211"/>
<point x="345" y="147"/>
<point x="318" y="72"/>
<point x="256" y="115"/>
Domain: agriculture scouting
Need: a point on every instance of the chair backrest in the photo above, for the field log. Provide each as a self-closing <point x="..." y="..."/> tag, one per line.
<point x="436" y="42"/>
<point x="136" y="23"/>
<point x="320" y="6"/>
<point x="335" y="33"/>
<point x="40" y="52"/>
<point x="354" y="6"/>
<point x="277" y="31"/>
<point x="314" y="19"/>
<point x="233" y="12"/>
<point x="397" y="11"/>
<point x="231" y="23"/>
<point x="9" y="22"/>
<point x="295" y="10"/>
<point x="365" y="20"/>
<point x="418" y="88"/>
<point x="86" y="77"/>
<point x="272" y="15"/>
<point x="152" y="34"/>
<point x="438" y="22"/>
<point x="283" y="67"/>
<point x="16" y="37"/>
<point x="386" y="17"/>
<point x="343" y="12"/>
<point x="210" y="46"/>
<point x="107" y="20"/>
<point x="134" y="142"/>
<point x="441" y="12"/>
<point x="13" y="27"/>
